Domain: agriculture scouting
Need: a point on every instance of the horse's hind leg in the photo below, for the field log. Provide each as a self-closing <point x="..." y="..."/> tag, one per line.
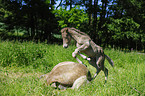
<point x="106" y="74"/>
<point x="98" y="70"/>
<point x="93" y="63"/>
<point x="99" y="60"/>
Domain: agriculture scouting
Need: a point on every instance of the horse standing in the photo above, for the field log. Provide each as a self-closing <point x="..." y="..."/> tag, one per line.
<point x="95" y="53"/>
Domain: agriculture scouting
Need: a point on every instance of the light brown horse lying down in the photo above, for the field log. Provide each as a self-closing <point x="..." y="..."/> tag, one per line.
<point x="68" y="74"/>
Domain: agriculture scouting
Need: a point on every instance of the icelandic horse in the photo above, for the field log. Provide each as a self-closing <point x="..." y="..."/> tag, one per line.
<point x="95" y="53"/>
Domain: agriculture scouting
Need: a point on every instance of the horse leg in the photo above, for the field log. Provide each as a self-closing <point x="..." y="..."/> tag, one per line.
<point x="81" y="48"/>
<point x="98" y="70"/>
<point x="104" y="69"/>
<point x="74" y="55"/>
<point x="79" y="82"/>
<point x="99" y="60"/>
<point x="106" y="74"/>
<point x="77" y="52"/>
<point x="62" y="87"/>
<point x="58" y="85"/>
<point x="84" y="57"/>
<point x="93" y="63"/>
<point x="79" y="60"/>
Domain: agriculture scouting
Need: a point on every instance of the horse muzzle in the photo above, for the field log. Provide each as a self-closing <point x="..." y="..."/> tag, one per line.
<point x="65" y="45"/>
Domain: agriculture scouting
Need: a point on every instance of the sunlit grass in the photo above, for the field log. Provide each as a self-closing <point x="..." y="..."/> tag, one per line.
<point x="22" y="63"/>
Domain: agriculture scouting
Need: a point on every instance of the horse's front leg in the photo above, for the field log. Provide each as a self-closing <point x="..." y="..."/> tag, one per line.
<point x="84" y="57"/>
<point x="79" y="60"/>
<point x="81" y="48"/>
<point x="74" y="55"/>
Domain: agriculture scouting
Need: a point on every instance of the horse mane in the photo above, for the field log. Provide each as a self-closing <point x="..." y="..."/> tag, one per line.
<point x="82" y="33"/>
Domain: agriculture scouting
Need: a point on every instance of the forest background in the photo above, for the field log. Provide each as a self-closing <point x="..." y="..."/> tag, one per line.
<point x="110" y="23"/>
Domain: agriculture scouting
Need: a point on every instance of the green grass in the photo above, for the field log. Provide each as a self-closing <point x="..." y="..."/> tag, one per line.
<point x="22" y="63"/>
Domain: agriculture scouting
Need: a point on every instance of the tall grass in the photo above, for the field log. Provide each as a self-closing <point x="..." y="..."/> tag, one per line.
<point x="22" y="63"/>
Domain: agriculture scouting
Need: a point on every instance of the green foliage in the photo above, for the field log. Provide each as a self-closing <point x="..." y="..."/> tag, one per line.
<point x="3" y="28"/>
<point x="124" y="28"/>
<point x="73" y="17"/>
<point x="108" y="22"/>
<point x="4" y="13"/>
<point x="22" y="63"/>
<point x="125" y="33"/>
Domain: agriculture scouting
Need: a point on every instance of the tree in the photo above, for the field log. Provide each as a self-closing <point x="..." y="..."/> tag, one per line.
<point x="71" y="18"/>
<point x="133" y="9"/>
<point x="108" y="22"/>
<point x="35" y="17"/>
<point x="124" y="33"/>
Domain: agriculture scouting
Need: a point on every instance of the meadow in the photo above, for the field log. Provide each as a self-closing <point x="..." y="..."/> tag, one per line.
<point x="21" y="64"/>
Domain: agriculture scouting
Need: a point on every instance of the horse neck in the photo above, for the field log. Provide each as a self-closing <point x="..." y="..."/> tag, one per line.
<point x="75" y="35"/>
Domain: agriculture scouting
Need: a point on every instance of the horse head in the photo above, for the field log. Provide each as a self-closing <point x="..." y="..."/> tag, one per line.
<point x="66" y="37"/>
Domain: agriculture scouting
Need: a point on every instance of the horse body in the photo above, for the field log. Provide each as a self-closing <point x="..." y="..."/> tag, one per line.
<point x="95" y="53"/>
<point x="91" y="50"/>
<point x="68" y="74"/>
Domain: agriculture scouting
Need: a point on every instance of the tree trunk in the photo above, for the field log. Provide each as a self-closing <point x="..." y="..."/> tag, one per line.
<point x="90" y="12"/>
<point x="70" y="4"/>
<point x="95" y="21"/>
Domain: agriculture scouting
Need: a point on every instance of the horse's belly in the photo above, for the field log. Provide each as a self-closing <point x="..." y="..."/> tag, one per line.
<point x="89" y="53"/>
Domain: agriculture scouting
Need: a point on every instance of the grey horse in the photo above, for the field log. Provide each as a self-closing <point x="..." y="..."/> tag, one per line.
<point x="95" y="53"/>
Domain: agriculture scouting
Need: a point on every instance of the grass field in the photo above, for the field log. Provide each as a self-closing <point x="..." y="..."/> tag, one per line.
<point x="22" y="63"/>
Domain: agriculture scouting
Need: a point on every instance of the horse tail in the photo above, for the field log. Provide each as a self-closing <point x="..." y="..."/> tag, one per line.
<point x="109" y="60"/>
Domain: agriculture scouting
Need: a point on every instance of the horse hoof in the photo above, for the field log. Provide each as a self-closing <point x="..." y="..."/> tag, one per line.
<point x="73" y="55"/>
<point x="89" y="59"/>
